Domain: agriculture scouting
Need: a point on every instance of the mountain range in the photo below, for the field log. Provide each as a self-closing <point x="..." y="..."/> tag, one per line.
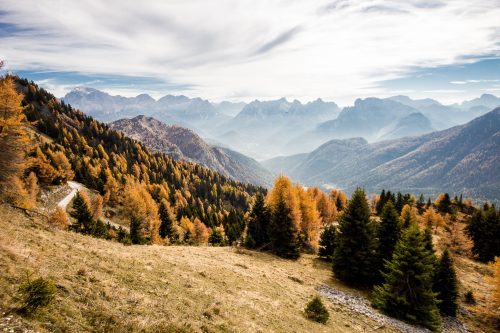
<point x="463" y="159"/>
<point x="266" y="129"/>
<point x="183" y="144"/>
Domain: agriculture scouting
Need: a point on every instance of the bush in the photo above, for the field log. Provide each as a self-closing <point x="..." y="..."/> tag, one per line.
<point x="35" y="294"/>
<point x="469" y="298"/>
<point x="315" y="310"/>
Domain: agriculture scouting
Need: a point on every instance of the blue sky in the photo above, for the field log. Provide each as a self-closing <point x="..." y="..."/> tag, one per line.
<point x="246" y="49"/>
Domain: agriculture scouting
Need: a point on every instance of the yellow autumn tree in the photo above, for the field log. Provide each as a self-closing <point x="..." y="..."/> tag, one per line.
<point x="310" y="220"/>
<point x="494" y="281"/>
<point x="326" y="206"/>
<point x="408" y="215"/>
<point x="32" y="187"/>
<point x="14" y="139"/>
<point x="59" y="219"/>
<point x="139" y="204"/>
<point x="432" y="219"/>
<point x="186" y="230"/>
<point x="201" y="232"/>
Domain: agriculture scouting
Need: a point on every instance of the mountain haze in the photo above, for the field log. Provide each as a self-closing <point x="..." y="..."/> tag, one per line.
<point x="463" y="159"/>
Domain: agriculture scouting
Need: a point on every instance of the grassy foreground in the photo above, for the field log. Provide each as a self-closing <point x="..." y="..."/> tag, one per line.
<point x="107" y="287"/>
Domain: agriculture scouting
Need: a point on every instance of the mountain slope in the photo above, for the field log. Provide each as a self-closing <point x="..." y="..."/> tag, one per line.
<point x="107" y="161"/>
<point x="463" y="159"/>
<point x="183" y="143"/>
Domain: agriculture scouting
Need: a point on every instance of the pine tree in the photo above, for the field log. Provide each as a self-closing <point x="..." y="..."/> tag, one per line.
<point x="283" y="232"/>
<point x="443" y="203"/>
<point x="167" y="219"/>
<point x="83" y="214"/>
<point x="421" y="204"/>
<point x="388" y="234"/>
<point x="407" y="291"/>
<point x="258" y="224"/>
<point x="136" y="234"/>
<point x="446" y="285"/>
<point x="484" y="230"/>
<point x="216" y="238"/>
<point x="381" y="202"/>
<point x="354" y="257"/>
<point x="327" y="242"/>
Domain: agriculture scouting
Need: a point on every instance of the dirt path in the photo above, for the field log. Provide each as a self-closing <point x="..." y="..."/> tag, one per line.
<point x="362" y="305"/>
<point x="75" y="188"/>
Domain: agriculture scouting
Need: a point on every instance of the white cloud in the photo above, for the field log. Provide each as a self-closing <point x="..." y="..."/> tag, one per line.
<point x="250" y="48"/>
<point x="473" y="81"/>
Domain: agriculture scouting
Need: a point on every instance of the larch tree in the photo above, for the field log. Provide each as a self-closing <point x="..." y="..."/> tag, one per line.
<point x="14" y="139"/>
<point x="310" y="220"/>
<point x="407" y="291"/>
<point x="354" y="258"/>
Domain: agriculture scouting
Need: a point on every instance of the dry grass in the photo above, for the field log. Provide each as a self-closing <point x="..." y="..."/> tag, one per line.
<point x="107" y="287"/>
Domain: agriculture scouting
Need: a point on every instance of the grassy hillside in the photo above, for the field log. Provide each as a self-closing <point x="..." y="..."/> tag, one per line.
<point x="107" y="287"/>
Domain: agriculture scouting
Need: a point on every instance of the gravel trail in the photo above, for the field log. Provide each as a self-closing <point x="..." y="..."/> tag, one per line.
<point x="362" y="306"/>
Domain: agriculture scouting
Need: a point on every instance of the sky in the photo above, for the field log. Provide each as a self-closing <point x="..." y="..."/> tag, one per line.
<point x="241" y="50"/>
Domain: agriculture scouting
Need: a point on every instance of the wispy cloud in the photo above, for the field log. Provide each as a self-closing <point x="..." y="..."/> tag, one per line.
<point x="265" y="48"/>
<point x="473" y="81"/>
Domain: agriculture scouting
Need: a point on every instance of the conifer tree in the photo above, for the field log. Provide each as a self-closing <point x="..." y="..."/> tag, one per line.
<point x="13" y="136"/>
<point x="354" y="257"/>
<point x="421" y="204"/>
<point x="388" y="234"/>
<point x="258" y="224"/>
<point x="82" y="212"/>
<point x="446" y="285"/>
<point x="167" y="219"/>
<point x="327" y="242"/>
<point x="216" y="238"/>
<point x="284" y="232"/>
<point x="381" y="202"/>
<point x="407" y="291"/>
<point x="136" y="234"/>
<point x="484" y="230"/>
<point x="443" y="203"/>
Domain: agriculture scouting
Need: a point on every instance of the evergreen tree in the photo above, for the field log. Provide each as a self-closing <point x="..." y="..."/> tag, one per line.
<point x="446" y="285"/>
<point x="443" y="203"/>
<point x="388" y="234"/>
<point x="354" y="257"/>
<point x="381" y="202"/>
<point x="327" y="242"/>
<point x="399" y="202"/>
<point x="407" y="291"/>
<point x="429" y="246"/>
<point x="100" y="230"/>
<point x="216" y="238"/>
<point x="167" y="219"/>
<point x="284" y="232"/>
<point x="484" y="230"/>
<point x="83" y="214"/>
<point x="135" y="231"/>
<point x="421" y="204"/>
<point x="258" y="224"/>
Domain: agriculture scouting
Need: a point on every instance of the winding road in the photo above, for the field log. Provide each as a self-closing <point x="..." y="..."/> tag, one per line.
<point x="75" y="188"/>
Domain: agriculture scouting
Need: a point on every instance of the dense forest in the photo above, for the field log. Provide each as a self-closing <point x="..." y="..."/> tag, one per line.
<point x="176" y="199"/>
